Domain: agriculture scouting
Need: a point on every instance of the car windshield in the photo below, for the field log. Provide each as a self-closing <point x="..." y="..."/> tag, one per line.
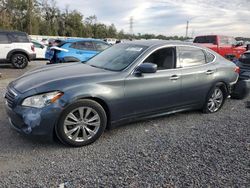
<point x="118" y="57"/>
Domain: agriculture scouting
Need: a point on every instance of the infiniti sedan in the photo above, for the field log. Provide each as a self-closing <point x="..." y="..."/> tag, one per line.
<point x="129" y="81"/>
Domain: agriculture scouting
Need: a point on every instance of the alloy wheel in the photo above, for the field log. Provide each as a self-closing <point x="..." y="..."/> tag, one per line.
<point x="215" y="101"/>
<point x="81" y="124"/>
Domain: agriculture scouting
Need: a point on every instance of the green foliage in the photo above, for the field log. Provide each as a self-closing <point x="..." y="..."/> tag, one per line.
<point x="43" y="17"/>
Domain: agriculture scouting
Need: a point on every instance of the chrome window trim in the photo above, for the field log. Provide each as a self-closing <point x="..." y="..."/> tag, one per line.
<point x="174" y="46"/>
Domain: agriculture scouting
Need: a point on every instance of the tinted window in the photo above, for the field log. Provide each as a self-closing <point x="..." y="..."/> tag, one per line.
<point x="19" y="37"/>
<point x="190" y="56"/>
<point x="83" y="45"/>
<point x="163" y="58"/>
<point x="118" y="57"/>
<point x="205" y="39"/>
<point x="100" y="46"/>
<point x="4" y="39"/>
<point x="209" y="57"/>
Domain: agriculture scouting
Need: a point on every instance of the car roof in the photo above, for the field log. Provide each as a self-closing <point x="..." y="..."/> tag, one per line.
<point x="81" y="39"/>
<point x="17" y="32"/>
<point x="151" y="43"/>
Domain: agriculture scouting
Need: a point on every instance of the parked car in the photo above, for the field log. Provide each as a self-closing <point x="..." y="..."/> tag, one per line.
<point x="40" y="49"/>
<point x="126" y="82"/>
<point x="73" y="50"/>
<point x="111" y="41"/>
<point x="226" y="46"/>
<point x="242" y="87"/>
<point x="16" y="48"/>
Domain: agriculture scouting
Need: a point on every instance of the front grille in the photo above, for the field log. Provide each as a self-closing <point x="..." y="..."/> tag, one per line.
<point x="10" y="97"/>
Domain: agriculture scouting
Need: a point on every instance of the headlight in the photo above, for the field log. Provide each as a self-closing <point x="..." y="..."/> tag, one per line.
<point x="39" y="101"/>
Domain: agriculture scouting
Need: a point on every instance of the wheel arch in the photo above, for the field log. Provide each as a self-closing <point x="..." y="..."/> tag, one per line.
<point x="96" y="99"/>
<point x="224" y="86"/>
<point x="105" y="107"/>
<point x="17" y="51"/>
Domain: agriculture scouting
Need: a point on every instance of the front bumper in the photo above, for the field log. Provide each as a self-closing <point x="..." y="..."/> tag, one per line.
<point x="32" y="121"/>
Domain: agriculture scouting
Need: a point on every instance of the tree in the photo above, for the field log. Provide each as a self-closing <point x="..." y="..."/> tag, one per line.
<point x="43" y="17"/>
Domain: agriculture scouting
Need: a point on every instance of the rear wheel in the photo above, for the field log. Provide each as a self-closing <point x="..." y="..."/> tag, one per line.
<point x="19" y="61"/>
<point x="215" y="100"/>
<point x="81" y="123"/>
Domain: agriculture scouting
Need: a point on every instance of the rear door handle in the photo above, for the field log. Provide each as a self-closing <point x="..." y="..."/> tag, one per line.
<point x="209" y="72"/>
<point x="174" y="77"/>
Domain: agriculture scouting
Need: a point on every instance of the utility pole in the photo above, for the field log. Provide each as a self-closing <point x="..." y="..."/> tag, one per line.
<point x="131" y="23"/>
<point x="187" y="29"/>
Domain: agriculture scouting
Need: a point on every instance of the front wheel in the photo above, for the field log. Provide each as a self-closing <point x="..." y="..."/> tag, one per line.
<point x="215" y="100"/>
<point x="81" y="123"/>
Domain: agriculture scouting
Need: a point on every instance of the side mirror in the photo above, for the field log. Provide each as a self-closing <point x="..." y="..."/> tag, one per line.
<point x="146" y="68"/>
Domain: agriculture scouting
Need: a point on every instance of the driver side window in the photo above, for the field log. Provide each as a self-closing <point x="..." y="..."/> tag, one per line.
<point x="163" y="58"/>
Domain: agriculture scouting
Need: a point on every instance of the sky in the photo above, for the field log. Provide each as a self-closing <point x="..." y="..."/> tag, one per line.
<point x="169" y="17"/>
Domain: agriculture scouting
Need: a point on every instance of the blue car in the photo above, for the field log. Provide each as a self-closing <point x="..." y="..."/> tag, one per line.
<point x="73" y="50"/>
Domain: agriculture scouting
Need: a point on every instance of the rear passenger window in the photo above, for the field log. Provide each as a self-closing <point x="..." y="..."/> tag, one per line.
<point x="190" y="56"/>
<point x="83" y="45"/>
<point x="4" y="39"/>
<point x="209" y="57"/>
<point x="19" y="37"/>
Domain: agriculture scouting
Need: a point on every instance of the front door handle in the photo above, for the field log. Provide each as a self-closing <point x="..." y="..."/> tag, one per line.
<point x="209" y="72"/>
<point x="174" y="77"/>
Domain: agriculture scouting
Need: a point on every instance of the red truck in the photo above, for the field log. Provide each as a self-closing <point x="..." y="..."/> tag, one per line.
<point x="226" y="46"/>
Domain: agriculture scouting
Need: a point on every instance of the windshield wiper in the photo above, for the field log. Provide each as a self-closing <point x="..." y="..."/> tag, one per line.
<point x="100" y="67"/>
<point x="95" y="66"/>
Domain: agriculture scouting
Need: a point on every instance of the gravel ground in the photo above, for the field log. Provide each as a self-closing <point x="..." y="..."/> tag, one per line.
<point x="188" y="149"/>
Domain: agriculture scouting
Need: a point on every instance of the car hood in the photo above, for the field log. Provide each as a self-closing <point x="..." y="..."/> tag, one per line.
<point x="56" y="73"/>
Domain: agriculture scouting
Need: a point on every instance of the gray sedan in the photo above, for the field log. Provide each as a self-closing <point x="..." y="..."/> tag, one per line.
<point x="129" y="81"/>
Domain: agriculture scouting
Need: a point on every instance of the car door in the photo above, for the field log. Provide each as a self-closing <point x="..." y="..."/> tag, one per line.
<point x="154" y="92"/>
<point x="83" y="50"/>
<point x="5" y="45"/>
<point x="198" y="72"/>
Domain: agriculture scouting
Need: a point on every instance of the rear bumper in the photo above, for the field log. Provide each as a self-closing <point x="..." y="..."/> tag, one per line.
<point x="32" y="57"/>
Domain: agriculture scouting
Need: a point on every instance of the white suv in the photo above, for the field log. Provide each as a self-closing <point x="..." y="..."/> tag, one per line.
<point x="16" y="48"/>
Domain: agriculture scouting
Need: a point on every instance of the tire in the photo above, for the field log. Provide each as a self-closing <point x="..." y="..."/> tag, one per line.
<point x="19" y="61"/>
<point x="215" y="99"/>
<point x="82" y="123"/>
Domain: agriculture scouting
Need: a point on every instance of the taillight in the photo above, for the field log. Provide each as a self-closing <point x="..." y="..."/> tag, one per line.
<point x="32" y="48"/>
<point x="237" y="70"/>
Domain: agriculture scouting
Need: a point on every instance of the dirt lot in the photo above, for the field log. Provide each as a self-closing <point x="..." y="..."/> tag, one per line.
<point x="188" y="149"/>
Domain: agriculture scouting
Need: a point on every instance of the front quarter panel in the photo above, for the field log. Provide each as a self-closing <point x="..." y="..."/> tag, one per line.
<point x="110" y="92"/>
